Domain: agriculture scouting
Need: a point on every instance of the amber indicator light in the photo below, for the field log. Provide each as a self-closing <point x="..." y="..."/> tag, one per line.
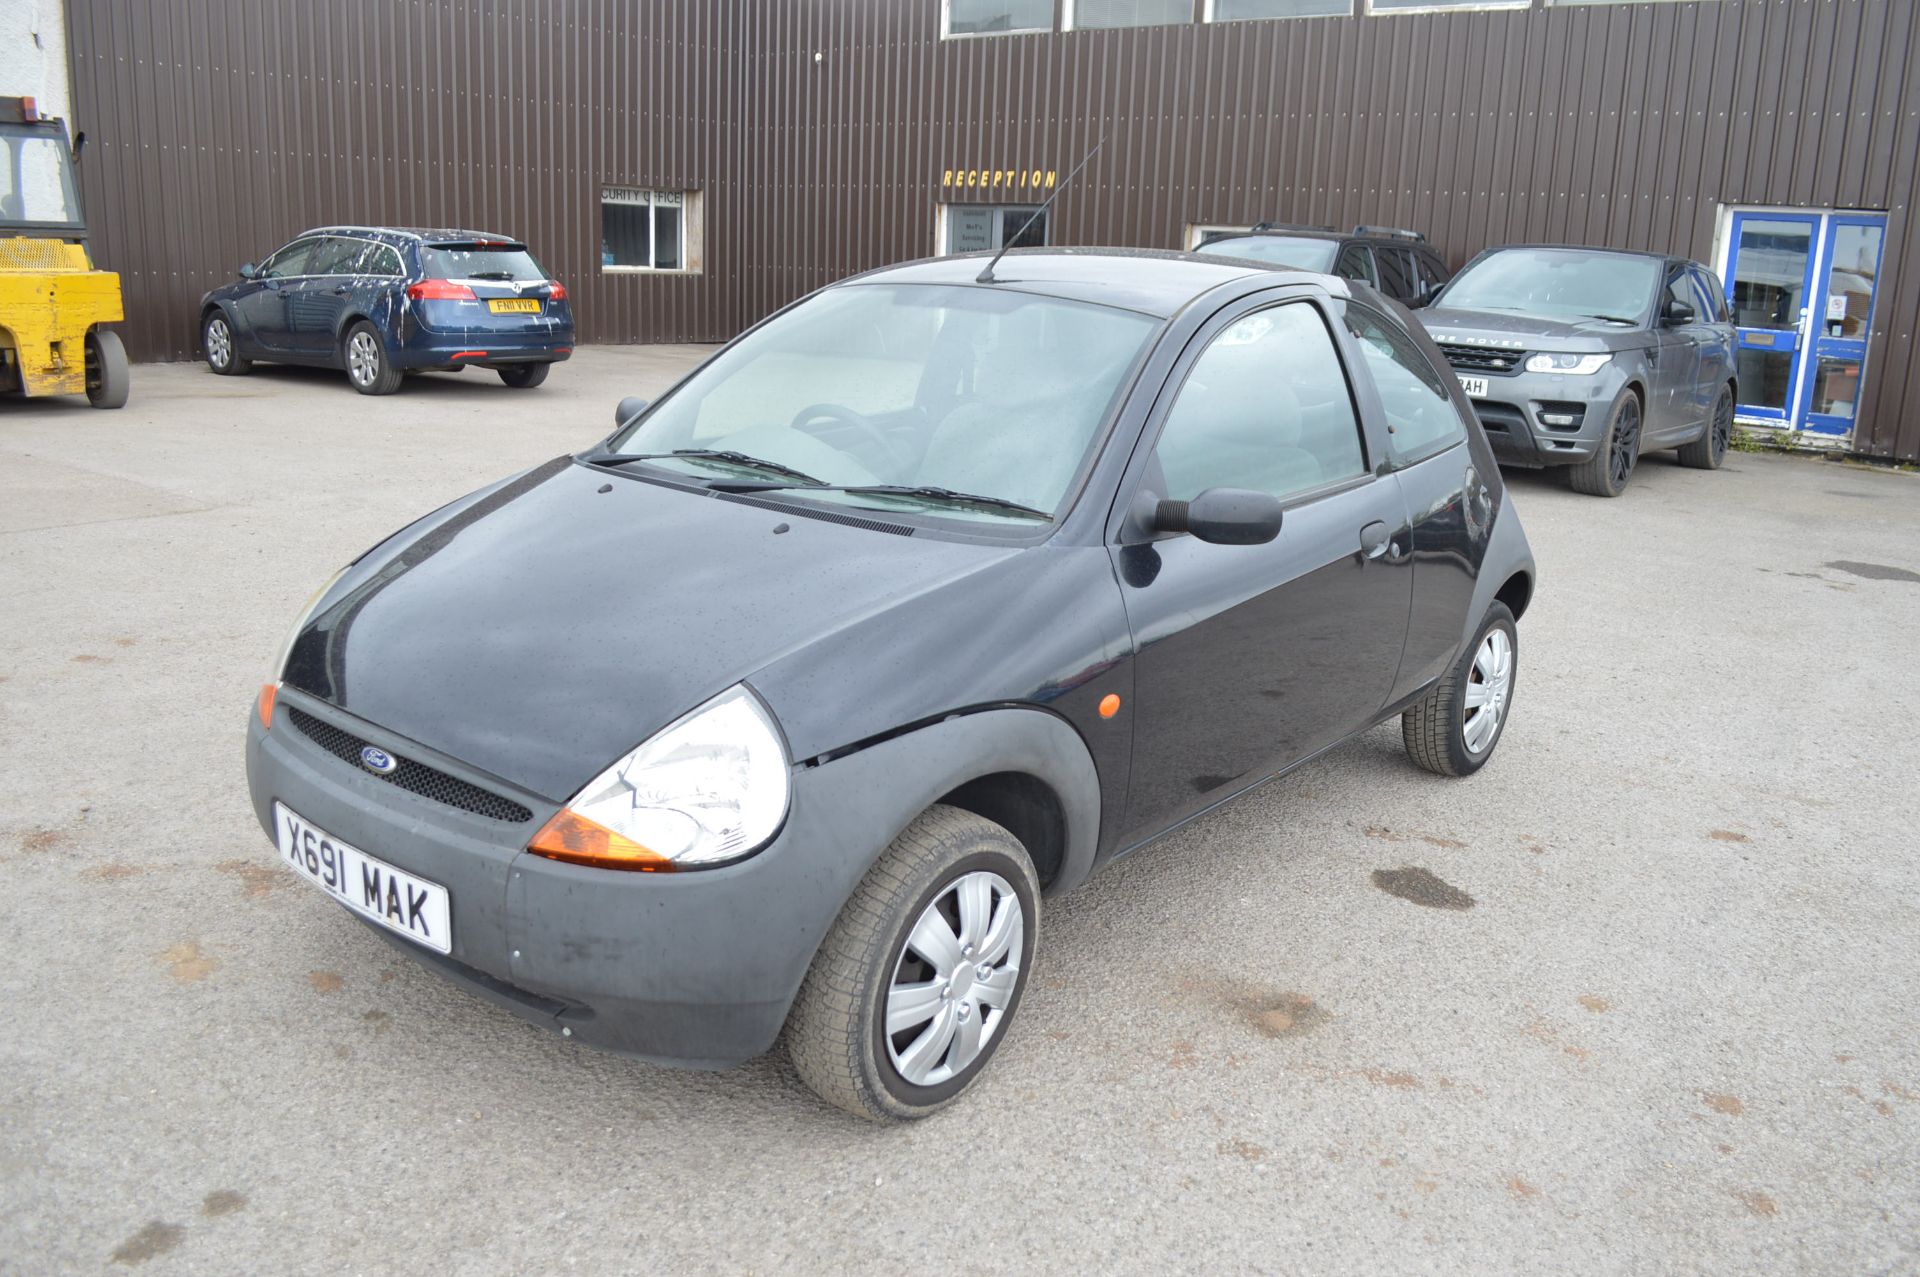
<point x="269" y="692"/>
<point x="1109" y="705"/>
<point x="573" y="838"/>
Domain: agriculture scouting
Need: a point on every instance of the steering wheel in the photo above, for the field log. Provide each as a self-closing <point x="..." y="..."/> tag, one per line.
<point x="847" y="416"/>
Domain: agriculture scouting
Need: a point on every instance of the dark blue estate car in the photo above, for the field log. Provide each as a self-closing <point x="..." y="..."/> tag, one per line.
<point x="380" y="302"/>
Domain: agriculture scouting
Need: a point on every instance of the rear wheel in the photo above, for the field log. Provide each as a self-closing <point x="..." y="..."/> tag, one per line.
<point x="108" y="377"/>
<point x="523" y="376"/>
<point x="919" y="978"/>
<point x="368" y="367"/>
<point x="1710" y="449"/>
<point x="1453" y="731"/>
<point x="1607" y="472"/>
<point x="223" y="355"/>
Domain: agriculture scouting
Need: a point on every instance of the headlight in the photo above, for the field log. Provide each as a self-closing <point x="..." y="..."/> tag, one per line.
<point x="1570" y="365"/>
<point x="270" y="690"/>
<point x="709" y="788"/>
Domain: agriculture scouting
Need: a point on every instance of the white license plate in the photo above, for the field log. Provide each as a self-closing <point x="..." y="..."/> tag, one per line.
<point x="371" y="887"/>
<point x="1476" y="387"/>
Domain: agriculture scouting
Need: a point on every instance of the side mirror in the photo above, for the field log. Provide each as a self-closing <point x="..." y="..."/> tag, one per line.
<point x="1426" y="299"/>
<point x="1223" y="516"/>
<point x="249" y="271"/>
<point x="1677" y="313"/>
<point x="630" y="407"/>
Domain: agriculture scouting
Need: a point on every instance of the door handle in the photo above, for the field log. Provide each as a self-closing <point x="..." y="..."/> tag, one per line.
<point x="1376" y="541"/>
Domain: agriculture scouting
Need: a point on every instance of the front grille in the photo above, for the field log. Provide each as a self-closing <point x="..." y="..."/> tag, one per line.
<point x="1501" y="363"/>
<point x="415" y="778"/>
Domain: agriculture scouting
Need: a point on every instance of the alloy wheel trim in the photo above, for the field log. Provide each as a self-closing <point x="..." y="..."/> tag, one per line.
<point x="1489" y="688"/>
<point x="363" y="359"/>
<point x="1625" y="434"/>
<point x="219" y="342"/>
<point x="950" y="987"/>
<point x="1722" y="426"/>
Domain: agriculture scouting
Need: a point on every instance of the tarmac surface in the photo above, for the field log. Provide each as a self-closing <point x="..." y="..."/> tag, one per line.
<point x="1638" y="998"/>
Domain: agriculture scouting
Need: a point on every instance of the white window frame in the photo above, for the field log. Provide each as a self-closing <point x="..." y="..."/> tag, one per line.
<point x="1374" y="12"/>
<point x="692" y="237"/>
<point x="947" y="32"/>
<point x="1207" y="15"/>
<point x="1197" y="231"/>
<point x="1067" y="23"/>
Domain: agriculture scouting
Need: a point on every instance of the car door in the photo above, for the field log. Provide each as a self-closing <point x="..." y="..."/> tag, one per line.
<point x="1675" y="362"/>
<point x="1448" y="503"/>
<point x="1714" y="336"/>
<point x="1251" y="658"/>
<point x="316" y="301"/>
<point x="262" y="309"/>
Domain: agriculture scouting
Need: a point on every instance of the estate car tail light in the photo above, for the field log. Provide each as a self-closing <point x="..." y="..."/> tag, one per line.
<point x="556" y="291"/>
<point x="439" y="290"/>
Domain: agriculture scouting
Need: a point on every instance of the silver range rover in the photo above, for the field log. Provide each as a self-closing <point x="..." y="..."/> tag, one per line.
<point x="1586" y="358"/>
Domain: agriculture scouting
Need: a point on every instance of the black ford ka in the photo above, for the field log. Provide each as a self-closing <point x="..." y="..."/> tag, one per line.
<point x="782" y="708"/>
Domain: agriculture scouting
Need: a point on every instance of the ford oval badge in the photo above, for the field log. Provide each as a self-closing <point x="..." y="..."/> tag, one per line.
<point x="377" y="760"/>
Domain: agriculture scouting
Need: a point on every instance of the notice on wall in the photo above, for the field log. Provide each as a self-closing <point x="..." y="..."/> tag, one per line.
<point x="1837" y="306"/>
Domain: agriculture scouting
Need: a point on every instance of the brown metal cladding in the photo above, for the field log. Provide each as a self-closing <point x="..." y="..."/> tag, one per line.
<point x="817" y="132"/>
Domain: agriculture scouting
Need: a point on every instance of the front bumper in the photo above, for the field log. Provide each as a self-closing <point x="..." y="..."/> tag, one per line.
<point x="695" y="969"/>
<point x="1544" y="419"/>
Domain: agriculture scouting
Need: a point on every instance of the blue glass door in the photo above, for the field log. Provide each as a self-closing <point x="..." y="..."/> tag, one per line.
<point x="1770" y="273"/>
<point x="1841" y="318"/>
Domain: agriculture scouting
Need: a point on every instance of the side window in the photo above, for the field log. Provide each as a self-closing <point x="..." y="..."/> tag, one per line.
<point x="335" y="256"/>
<point x="291" y="260"/>
<point x="1433" y="271"/>
<point x="1713" y="298"/>
<point x="1679" y="289"/>
<point x="1418" y="400"/>
<point x="1396" y="272"/>
<point x="1266" y="406"/>
<point x="1356" y="262"/>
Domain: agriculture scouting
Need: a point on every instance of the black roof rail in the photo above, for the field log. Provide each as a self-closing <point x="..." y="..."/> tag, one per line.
<point x="1291" y="226"/>
<point x="1389" y="232"/>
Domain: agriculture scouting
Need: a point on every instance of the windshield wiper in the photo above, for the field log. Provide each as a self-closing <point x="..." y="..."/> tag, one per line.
<point x="907" y="491"/>
<point x="741" y="459"/>
<point x="507" y="275"/>
<point x="1614" y="319"/>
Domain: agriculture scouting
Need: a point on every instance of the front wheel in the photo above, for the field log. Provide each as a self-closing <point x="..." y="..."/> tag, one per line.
<point x="1452" y="731"/>
<point x="223" y="354"/>
<point x="523" y="376"/>
<point x="920" y="976"/>
<point x="1710" y="449"/>
<point x="1606" y="473"/>
<point x="368" y="367"/>
<point x="108" y="377"/>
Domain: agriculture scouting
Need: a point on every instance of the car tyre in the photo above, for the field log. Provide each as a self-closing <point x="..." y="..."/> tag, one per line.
<point x="948" y="881"/>
<point x="1710" y="449"/>
<point x="1447" y="732"/>
<point x="109" y="379"/>
<point x="524" y="376"/>
<point x="221" y="349"/>
<point x="1610" y="469"/>
<point x="368" y="367"/>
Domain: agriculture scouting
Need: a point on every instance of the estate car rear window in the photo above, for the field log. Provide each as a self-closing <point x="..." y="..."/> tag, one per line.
<point x="473" y="261"/>
<point x="1557" y="283"/>
<point x="981" y="391"/>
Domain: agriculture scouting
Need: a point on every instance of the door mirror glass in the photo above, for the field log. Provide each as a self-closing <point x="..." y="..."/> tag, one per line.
<point x="1223" y="516"/>
<point x="249" y="271"/>
<point x="630" y="407"/>
<point x="1677" y="312"/>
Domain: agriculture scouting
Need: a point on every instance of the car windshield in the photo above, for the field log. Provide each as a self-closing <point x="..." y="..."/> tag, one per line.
<point x="971" y="390"/>
<point x="473" y="261"/>
<point x="1556" y="283"/>
<point x="1280" y="250"/>
<point x="36" y="180"/>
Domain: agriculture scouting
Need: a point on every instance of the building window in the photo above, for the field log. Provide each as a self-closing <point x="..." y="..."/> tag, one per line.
<point x="1126" y="13"/>
<point x="1438" y="6"/>
<point x="995" y="17"/>
<point x="975" y="228"/>
<point x="1200" y="234"/>
<point x="649" y="230"/>
<point x="1557" y="2"/>
<point x="1241" y="10"/>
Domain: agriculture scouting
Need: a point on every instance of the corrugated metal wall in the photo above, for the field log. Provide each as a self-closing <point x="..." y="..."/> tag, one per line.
<point x="819" y="131"/>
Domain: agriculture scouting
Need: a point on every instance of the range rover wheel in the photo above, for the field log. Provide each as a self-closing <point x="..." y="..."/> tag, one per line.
<point x="223" y="355"/>
<point x="1710" y="449"/>
<point x="919" y="978"/>
<point x="368" y="367"/>
<point x="1453" y="731"/>
<point x="1606" y="473"/>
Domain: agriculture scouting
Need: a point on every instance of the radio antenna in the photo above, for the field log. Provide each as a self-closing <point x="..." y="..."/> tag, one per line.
<point x="986" y="276"/>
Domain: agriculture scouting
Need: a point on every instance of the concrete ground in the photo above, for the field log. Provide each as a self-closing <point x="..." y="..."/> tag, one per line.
<point x="1675" y="1032"/>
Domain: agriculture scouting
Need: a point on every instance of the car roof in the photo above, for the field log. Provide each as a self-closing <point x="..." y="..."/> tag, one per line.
<point x="1150" y="280"/>
<point x="412" y="233"/>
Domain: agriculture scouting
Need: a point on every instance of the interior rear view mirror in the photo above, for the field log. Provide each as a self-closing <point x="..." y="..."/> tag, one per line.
<point x="630" y="407"/>
<point x="1223" y="516"/>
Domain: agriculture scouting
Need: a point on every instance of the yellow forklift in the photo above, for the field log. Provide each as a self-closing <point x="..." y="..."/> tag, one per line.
<point x="53" y="303"/>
